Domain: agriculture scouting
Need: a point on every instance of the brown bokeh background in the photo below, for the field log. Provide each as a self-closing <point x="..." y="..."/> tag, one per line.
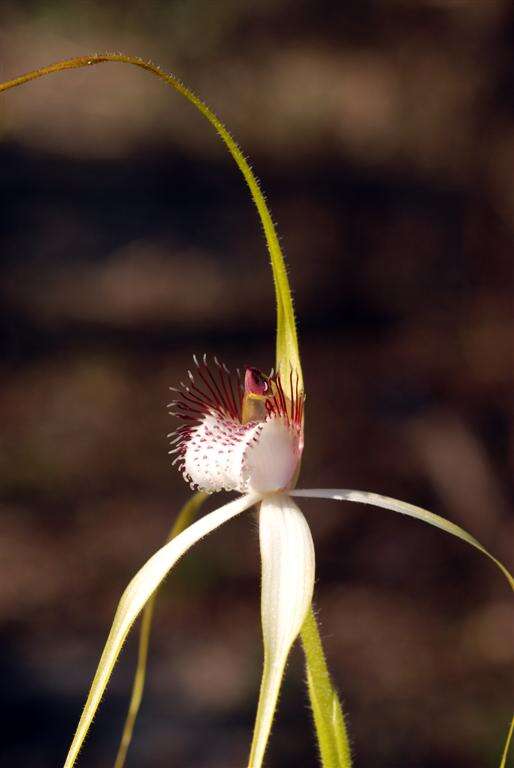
<point x="383" y="133"/>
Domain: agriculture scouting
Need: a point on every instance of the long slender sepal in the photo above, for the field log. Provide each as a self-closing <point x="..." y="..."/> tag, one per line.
<point x="385" y="502"/>
<point x="505" y="755"/>
<point x="184" y="519"/>
<point x="333" y="742"/>
<point x="135" y="597"/>
<point x="287" y="341"/>
<point x="287" y="554"/>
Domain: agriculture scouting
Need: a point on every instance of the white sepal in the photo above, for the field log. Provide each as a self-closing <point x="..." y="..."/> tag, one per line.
<point x="287" y="553"/>
<point x="385" y="502"/>
<point x="133" y="600"/>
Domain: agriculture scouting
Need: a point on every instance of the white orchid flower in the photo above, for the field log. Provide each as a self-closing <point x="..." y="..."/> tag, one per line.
<point x="245" y="436"/>
<point x="248" y="437"/>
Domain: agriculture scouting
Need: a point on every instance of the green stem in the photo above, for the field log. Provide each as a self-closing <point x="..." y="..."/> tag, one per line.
<point x="327" y="713"/>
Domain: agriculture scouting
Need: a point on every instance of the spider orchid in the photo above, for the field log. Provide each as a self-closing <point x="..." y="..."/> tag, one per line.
<point x="245" y="434"/>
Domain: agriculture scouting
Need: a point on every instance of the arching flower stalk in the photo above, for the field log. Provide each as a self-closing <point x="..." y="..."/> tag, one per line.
<point x="245" y="434"/>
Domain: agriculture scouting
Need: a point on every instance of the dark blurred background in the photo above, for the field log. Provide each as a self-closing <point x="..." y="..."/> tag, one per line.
<point x="383" y="133"/>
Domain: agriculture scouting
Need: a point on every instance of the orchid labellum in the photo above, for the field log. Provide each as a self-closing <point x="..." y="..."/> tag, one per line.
<point x="244" y="433"/>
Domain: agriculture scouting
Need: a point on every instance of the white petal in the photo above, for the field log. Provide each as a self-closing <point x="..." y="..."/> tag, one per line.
<point x="287" y="553"/>
<point x="376" y="500"/>
<point x="133" y="600"/>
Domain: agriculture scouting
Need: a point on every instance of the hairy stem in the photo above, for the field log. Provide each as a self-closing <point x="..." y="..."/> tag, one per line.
<point x="327" y="713"/>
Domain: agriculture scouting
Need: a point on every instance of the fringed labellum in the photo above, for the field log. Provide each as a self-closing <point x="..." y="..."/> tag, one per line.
<point x="240" y="433"/>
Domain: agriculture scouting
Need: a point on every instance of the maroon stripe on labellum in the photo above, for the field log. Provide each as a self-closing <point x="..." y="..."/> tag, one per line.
<point x="213" y="390"/>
